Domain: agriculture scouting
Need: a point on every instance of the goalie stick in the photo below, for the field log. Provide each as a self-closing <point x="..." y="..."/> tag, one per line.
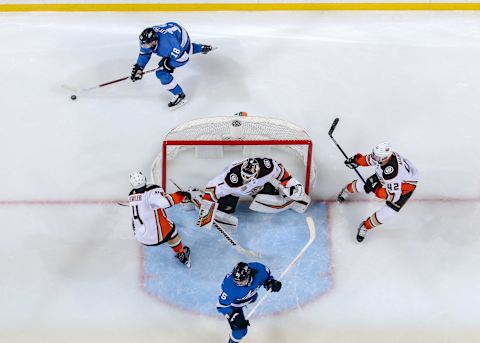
<point x="311" y="229"/>
<point x="223" y="232"/>
<point x="77" y="91"/>
<point x="330" y="133"/>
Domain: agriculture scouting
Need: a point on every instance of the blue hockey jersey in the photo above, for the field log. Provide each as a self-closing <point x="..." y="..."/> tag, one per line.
<point x="173" y="42"/>
<point x="233" y="295"/>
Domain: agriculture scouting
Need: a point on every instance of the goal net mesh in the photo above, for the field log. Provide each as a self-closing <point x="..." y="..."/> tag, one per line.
<point x="196" y="151"/>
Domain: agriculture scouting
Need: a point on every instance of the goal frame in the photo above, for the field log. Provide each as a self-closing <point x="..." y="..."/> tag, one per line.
<point x="276" y="142"/>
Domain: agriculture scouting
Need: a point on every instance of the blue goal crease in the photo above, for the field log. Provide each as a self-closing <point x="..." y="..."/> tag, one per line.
<point x="277" y="237"/>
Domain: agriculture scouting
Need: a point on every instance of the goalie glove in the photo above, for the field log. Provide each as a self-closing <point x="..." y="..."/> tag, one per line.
<point x="294" y="189"/>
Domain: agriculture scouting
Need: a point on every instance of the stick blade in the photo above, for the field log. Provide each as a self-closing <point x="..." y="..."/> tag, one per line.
<point x="334" y="125"/>
<point x="311" y="228"/>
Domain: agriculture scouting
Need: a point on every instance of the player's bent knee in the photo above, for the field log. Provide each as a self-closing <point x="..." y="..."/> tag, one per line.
<point x="164" y="77"/>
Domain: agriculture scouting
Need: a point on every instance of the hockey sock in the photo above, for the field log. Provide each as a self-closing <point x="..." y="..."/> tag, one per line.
<point x="371" y="222"/>
<point x="352" y="187"/>
<point x="178" y="248"/>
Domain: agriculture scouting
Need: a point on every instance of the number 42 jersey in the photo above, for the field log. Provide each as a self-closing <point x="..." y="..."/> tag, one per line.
<point x="399" y="176"/>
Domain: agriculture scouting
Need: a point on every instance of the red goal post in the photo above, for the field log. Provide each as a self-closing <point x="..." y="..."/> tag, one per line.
<point x="234" y="138"/>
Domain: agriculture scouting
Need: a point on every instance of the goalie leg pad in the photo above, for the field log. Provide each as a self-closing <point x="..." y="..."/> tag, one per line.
<point x="206" y="215"/>
<point x="267" y="203"/>
<point x="228" y="221"/>
<point x="301" y="206"/>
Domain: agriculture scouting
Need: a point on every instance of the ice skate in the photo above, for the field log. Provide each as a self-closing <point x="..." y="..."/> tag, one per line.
<point x="343" y="195"/>
<point x="362" y="232"/>
<point x="177" y="101"/>
<point x="184" y="256"/>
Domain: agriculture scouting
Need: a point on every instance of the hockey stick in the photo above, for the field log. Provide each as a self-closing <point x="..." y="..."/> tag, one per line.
<point x="311" y="228"/>
<point x="83" y="90"/>
<point x="223" y="232"/>
<point x="330" y="133"/>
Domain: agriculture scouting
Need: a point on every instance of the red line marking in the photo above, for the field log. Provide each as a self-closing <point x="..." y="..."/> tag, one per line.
<point x="46" y="202"/>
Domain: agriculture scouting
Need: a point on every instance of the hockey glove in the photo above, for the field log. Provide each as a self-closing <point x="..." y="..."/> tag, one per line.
<point x="206" y="49"/>
<point x="186" y="197"/>
<point x="237" y="320"/>
<point x="194" y="194"/>
<point x="372" y="184"/>
<point x="352" y="162"/>
<point x="273" y="285"/>
<point x="164" y="64"/>
<point x="137" y="73"/>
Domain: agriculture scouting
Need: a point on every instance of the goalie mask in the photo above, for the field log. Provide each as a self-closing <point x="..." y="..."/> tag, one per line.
<point x="242" y="274"/>
<point x="148" y="38"/>
<point x="138" y="180"/>
<point x="382" y="152"/>
<point x="250" y="169"/>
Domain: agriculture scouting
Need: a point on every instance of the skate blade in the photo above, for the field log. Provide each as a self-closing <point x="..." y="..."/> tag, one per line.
<point x="180" y="104"/>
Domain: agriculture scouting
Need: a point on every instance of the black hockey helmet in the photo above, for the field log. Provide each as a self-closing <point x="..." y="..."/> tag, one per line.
<point x="148" y="38"/>
<point x="250" y="169"/>
<point x="242" y="273"/>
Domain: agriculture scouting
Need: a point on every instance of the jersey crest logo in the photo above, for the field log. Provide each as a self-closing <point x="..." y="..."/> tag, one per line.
<point x="233" y="178"/>
<point x="389" y="170"/>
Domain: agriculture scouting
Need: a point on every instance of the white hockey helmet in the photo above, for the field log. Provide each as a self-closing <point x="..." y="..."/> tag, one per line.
<point x="250" y="169"/>
<point x="382" y="152"/>
<point x="138" y="180"/>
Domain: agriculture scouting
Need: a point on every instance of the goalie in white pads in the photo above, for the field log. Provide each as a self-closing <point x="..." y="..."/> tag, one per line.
<point x="266" y="180"/>
<point x="150" y="224"/>
<point x="394" y="180"/>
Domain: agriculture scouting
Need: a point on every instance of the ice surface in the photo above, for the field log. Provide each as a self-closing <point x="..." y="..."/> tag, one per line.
<point x="73" y="273"/>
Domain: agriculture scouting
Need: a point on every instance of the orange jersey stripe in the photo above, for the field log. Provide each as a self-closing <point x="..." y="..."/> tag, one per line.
<point x="164" y="226"/>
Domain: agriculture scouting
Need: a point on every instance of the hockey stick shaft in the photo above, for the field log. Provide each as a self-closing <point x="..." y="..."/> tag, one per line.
<point x="311" y="229"/>
<point x="83" y="90"/>
<point x="229" y="238"/>
<point x="330" y="133"/>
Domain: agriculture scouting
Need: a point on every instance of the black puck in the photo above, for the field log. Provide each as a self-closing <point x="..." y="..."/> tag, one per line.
<point x="73" y="97"/>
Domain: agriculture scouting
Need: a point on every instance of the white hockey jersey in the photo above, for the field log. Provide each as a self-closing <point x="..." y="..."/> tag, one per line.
<point x="230" y="181"/>
<point x="398" y="176"/>
<point x="149" y="220"/>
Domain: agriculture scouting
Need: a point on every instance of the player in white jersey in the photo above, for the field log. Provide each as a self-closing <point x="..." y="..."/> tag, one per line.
<point x="149" y="221"/>
<point x="395" y="180"/>
<point x="273" y="188"/>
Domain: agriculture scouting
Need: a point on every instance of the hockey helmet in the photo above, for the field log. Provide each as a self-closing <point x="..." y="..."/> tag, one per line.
<point x="138" y="180"/>
<point x="242" y="274"/>
<point x="250" y="169"/>
<point x="148" y="38"/>
<point x="382" y="152"/>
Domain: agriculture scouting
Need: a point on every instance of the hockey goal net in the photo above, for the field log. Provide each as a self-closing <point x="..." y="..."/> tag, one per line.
<point x="195" y="152"/>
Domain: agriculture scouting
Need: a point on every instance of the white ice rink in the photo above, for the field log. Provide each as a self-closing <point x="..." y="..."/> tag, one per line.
<point x="71" y="271"/>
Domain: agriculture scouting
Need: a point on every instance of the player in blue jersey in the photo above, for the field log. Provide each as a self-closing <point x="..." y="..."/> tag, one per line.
<point x="239" y="288"/>
<point x="172" y="44"/>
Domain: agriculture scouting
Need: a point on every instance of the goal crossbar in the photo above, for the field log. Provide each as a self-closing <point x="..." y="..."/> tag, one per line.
<point x="238" y="142"/>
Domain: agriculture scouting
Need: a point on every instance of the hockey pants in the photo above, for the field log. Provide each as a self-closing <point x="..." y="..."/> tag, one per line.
<point x="388" y="211"/>
<point x="167" y="79"/>
<point x="238" y="334"/>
